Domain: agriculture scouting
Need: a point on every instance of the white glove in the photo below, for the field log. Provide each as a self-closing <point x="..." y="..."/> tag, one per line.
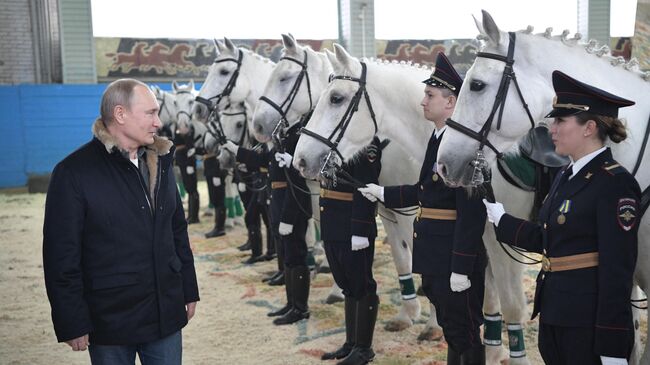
<point x="241" y="187"/>
<point x="285" y="229"/>
<point x="359" y="243"/>
<point x="459" y="282"/>
<point x="230" y="147"/>
<point x="189" y="170"/>
<point x="494" y="211"/>
<point x="216" y="181"/>
<point x="606" y="360"/>
<point x="284" y="159"/>
<point x="191" y="152"/>
<point x="372" y="192"/>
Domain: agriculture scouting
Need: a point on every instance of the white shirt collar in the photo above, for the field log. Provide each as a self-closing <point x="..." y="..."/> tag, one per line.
<point x="584" y="160"/>
<point x="438" y="132"/>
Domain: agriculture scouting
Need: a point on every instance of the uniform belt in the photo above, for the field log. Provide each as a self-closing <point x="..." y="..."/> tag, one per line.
<point x="264" y="170"/>
<point x="211" y="155"/>
<point x="441" y="214"/>
<point x="336" y="195"/>
<point x="573" y="262"/>
<point x="180" y="146"/>
<point x="278" y="184"/>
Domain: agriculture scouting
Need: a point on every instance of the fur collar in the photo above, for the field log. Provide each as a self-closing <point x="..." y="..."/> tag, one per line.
<point x="160" y="147"/>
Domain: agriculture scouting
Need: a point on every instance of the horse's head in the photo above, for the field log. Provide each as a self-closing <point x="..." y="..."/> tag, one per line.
<point x="235" y="119"/>
<point x="490" y="114"/>
<point x="225" y="76"/>
<point x="342" y="123"/>
<point x="293" y="88"/>
<point x="184" y="96"/>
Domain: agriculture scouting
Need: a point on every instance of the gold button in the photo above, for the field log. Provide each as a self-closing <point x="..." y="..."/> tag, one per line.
<point x="415" y="235"/>
<point x="421" y="187"/>
<point x="322" y="209"/>
<point x="434" y="177"/>
<point x="544" y="225"/>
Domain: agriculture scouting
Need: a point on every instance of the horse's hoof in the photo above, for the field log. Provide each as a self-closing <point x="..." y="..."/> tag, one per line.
<point x="430" y="334"/>
<point x="395" y="325"/>
<point x="331" y="299"/>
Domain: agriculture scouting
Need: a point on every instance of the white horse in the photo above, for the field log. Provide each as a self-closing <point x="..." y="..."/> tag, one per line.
<point x="167" y="112"/>
<point x="535" y="58"/>
<point x="401" y="159"/>
<point x="183" y="105"/>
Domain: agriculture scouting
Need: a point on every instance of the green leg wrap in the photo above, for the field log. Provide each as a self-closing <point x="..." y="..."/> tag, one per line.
<point x="492" y="335"/>
<point x="311" y="261"/>
<point x="181" y="189"/>
<point x="239" y="210"/>
<point x="516" y="340"/>
<point x="407" y="287"/>
<point x="230" y="207"/>
<point x="211" y="206"/>
<point x="317" y="232"/>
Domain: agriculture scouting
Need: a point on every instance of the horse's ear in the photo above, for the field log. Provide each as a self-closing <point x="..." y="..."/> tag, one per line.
<point x="218" y="47"/>
<point x="341" y="54"/>
<point x="174" y="86"/>
<point x="479" y="25"/>
<point x="490" y="28"/>
<point x="331" y="57"/>
<point x="230" y="45"/>
<point x="288" y="42"/>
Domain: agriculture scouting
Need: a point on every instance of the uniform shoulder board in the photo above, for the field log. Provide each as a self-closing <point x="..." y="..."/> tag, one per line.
<point x="613" y="168"/>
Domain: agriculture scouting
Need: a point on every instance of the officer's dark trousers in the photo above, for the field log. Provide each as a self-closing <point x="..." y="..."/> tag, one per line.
<point x="254" y="209"/>
<point x="189" y="180"/>
<point x="567" y="345"/>
<point x="459" y="313"/>
<point x="294" y="246"/>
<point x="217" y="194"/>
<point x="352" y="270"/>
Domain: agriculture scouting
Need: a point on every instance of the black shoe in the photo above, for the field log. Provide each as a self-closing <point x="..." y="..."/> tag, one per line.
<point x="245" y="246"/>
<point x="271" y="277"/>
<point x="215" y="233"/>
<point x="268" y="256"/>
<point x="253" y="259"/>
<point x="293" y="316"/>
<point x="278" y="280"/>
<point x="341" y="353"/>
<point x="280" y="312"/>
<point x="358" y="356"/>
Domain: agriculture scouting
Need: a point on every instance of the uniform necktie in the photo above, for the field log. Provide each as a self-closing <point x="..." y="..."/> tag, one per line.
<point x="565" y="177"/>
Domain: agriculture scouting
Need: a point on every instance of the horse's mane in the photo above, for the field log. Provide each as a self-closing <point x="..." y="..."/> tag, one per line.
<point x="591" y="47"/>
<point x="393" y="63"/>
<point x="256" y="55"/>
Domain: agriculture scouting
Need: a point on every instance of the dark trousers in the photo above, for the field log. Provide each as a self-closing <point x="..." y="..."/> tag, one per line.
<point x="217" y="194"/>
<point x="255" y="209"/>
<point x="567" y="345"/>
<point x="189" y="180"/>
<point x="295" y="246"/>
<point x="352" y="270"/>
<point x="459" y="313"/>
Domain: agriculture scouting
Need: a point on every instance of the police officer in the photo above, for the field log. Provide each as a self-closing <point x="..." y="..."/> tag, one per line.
<point x="186" y="160"/>
<point x="348" y="230"/>
<point x="447" y="240"/>
<point x="587" y="232"/>
<point x="290" y="212"/>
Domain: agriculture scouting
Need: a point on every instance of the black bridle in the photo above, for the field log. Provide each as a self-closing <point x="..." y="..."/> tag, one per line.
<point x="479" y="163"/>
<point x="283" y="108"/>
<point x="343" y="124"/>
<point x="180" y="112"/>
<point x="208" y="102"/>
<point x="245" y="131"/>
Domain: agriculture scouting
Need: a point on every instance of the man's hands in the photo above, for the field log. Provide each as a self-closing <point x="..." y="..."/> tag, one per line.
<point x="79" y="343"/>
<point x="285" y="229"/>
<point x="459" y="282"/>
<point x="372" y="192"/>
<point x="494" y="211"/>
<point x="284" y="159"/>
<point x="359" y="243"/>
<point x="190" y="309"/>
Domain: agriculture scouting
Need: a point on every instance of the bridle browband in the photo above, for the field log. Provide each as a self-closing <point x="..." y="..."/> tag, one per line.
<point x="245" y="131"/>
<point x="481" y="136"/>
<point x="343" y="124"/>
<point x="229" y="86"/>
<point x="283" y="108"/>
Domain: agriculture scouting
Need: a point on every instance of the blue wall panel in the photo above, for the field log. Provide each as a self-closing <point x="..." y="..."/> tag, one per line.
<point x="41" y="124"/>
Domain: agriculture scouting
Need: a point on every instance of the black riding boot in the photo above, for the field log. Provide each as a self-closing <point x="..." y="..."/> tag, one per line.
<point x="255" y="238"/>
<point x="219" y="223"/>
<point x="453" y="357"/>
<point x="300" y="282"/>
<point x="473" y="356"/>
<point x="193" y="208"/>
<point x="270" y="245"/>
<point x="362" y="353"/>
<point x="350" y="331"/>
<point x="280" y="278"/>
<point x="289" y="291"/>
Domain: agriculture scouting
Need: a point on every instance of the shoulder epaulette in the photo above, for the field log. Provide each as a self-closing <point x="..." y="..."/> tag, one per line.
<point x="614" y="168"/>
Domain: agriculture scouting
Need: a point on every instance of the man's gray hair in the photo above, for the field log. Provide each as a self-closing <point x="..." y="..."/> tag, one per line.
<point x="118" y="92"/>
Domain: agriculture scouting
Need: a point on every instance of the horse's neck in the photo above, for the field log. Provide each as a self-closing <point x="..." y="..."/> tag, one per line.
<point x="166" y="114"/>
<point x="399" y="115"/>
<point x="258" y="70"/>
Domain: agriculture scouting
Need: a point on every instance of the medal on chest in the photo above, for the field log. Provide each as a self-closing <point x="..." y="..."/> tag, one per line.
<point x="564" y="209"/>
<point x="435" y="176"/>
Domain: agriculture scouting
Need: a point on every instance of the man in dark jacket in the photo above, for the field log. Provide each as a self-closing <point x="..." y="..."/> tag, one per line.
<point x="119" y="271"/>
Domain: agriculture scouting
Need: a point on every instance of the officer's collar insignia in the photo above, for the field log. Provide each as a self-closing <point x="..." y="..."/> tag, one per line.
<point x="626" y="213"/>
<point x="588" y="175"/>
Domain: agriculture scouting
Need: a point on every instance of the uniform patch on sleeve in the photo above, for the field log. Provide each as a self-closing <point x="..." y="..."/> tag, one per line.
<point x="626" y="213"/>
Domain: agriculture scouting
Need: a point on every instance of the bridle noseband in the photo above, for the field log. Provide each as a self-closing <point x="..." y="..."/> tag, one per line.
<point x="343" y="124"/>
<point x="479" y="163"/>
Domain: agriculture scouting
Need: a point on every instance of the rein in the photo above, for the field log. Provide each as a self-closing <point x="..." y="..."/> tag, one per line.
<point x="479" y="163"/>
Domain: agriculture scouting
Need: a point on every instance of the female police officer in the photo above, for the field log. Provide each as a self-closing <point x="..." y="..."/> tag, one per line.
<point x="587" y="232"/>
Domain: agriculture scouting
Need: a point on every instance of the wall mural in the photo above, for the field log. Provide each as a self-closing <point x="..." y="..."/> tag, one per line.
<point x="183" y="59"/>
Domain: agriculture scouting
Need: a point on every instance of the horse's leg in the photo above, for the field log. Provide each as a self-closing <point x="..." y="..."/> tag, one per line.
<point x="231" y="191"/>
<point x="432" y="331"/>
<point x="494" y="350"/>
<point x="642" y="278"/>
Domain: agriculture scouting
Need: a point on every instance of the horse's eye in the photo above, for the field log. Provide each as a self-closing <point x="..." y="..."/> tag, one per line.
<point x="224" y="72"/>
<point x="191" y="102"/>
<point x="336" y="99"/>
<point x="476" y="85"/>
<point x="175" y="103"/>
<point x="239" y="124"/>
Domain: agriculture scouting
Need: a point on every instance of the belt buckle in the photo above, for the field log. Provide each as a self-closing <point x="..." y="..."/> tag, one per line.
<point x="419" y="212"/>
<point x="546" y="264"/>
